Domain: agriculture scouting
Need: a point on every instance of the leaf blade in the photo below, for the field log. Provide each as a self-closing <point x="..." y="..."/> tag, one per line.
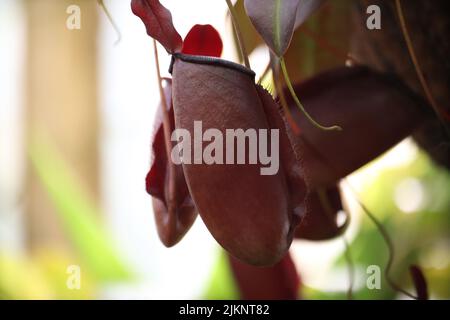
<point x="305" y="9"/>
<point x="158" y="23"/>
<point x="77" y="212"/>
<point x="274" y="20"/>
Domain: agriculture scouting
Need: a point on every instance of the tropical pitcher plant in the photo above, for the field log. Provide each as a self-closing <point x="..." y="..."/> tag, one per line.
<point x="327" y="126"/>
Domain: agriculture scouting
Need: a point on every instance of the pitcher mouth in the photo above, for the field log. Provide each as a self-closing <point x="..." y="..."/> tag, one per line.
<point x="211" y="61"/>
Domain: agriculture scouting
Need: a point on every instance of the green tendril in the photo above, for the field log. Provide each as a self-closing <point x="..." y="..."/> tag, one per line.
<point x="299" y="104"/>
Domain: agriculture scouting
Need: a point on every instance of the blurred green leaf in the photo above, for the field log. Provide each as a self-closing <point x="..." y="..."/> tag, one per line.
<point x="77" y="211"/>
<point x="222" y="285"/>
<point x="53" y="266"/>
<point x="20" y="278"/>
<point x="413" y="234"/>
<point x="322" y="43"/>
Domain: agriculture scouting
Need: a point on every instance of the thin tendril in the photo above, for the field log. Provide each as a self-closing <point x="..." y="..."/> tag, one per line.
<point x="166" y="127"/>
<point x="299" y="104"/>
<point x="324" y="200"/>
<point x="350" y="268"/>
<point x="380" y="228"/>
<point x="417" y="67"/>
<point x="238" y="32"/>
<point x="287" y="111"/>
<point x="387" y="240"/>
<point x="111" y="20"/>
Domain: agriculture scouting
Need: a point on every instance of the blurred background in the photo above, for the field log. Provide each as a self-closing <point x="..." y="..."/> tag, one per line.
<point x="76" y="119"/>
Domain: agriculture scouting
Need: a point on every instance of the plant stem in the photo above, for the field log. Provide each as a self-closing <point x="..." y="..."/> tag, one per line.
<point x="287" y="112"/>
<point x="299" y="104"/>
<point x="167" y="128"/>
<point x="238" y="32"/>
<point x="111" y="20"/>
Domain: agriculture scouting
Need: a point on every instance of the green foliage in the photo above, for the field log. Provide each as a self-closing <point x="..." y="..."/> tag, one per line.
<point x="222" y="285"/>
<point x="414" y="235"/>
<point x="41" y="276"/>
<point x="78" y="213"/>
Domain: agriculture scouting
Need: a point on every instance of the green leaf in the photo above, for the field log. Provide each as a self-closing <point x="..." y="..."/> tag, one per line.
<point x="77" y="212"/>
<point x="222" y="284"/>
<point x="276" y="20"/>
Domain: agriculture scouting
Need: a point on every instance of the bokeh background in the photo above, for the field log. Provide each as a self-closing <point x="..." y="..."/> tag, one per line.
<point x="76" y="119"/>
